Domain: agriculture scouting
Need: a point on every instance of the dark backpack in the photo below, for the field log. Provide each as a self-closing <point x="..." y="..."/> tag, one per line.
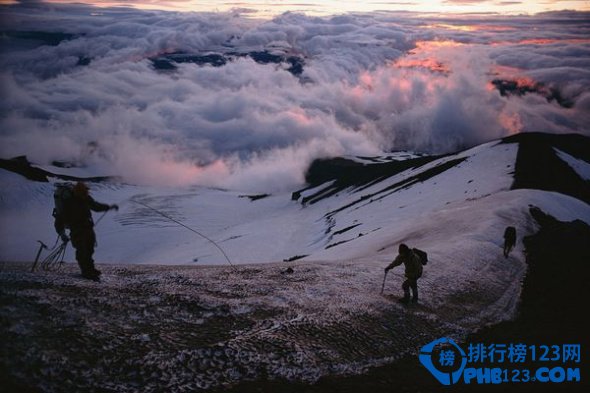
<point x="62" y="199"/>
<point x="422" y="255"/>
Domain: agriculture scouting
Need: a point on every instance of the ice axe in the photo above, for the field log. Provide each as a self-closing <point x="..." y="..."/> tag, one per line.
<point x="41" y="247"/>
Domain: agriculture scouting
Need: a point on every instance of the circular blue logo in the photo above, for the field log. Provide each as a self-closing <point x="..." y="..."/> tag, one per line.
<point x="444" y="359"/>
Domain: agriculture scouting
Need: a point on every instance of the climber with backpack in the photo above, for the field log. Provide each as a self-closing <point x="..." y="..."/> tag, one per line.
<point x="73" y="206"/>
<point x="413" y="260"/>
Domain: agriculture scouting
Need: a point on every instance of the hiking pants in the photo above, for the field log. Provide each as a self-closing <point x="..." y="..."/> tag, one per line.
<point x="410" y="283"/>
<point x="508" y="245"/>
<point x="84" y="240"/>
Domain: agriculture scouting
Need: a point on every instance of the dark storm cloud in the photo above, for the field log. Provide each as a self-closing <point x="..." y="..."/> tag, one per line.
<point x="251" y="125"/>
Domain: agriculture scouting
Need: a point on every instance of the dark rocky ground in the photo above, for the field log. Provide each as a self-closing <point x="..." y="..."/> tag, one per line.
<point x="184" y="328"/>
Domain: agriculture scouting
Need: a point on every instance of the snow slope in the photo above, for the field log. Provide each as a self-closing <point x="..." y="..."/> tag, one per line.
<point x="435" y="214"/>
<point x="454" y="207"/>
<point x="457" y="215"/>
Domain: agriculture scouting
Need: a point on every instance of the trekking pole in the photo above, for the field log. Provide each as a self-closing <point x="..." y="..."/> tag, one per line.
<point x="187" y="227"/>
<point x="383" y="285"/>
<point x="100" y="218"/>
<point x="41" y="247"/>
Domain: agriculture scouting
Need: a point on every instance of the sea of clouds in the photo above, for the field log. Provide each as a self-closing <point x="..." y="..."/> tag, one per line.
<point x="371" y="83"/>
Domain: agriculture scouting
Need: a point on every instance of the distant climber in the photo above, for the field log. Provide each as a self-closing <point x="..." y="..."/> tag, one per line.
<point x="72" y="211"/>
<point x="413" y="262"/>
<point x="509" y="240"/>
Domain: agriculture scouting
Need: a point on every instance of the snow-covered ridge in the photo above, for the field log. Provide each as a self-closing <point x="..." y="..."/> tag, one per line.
<point x="355" y="214"/>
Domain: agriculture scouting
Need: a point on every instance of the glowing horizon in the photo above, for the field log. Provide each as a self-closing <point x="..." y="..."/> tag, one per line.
<point x="269" y="9"/>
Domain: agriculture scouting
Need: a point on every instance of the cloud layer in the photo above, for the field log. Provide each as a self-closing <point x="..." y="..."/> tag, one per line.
<point x="78" y="85"/>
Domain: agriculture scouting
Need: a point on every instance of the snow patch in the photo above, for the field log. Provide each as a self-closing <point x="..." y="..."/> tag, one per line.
<point x="581" y="167"/>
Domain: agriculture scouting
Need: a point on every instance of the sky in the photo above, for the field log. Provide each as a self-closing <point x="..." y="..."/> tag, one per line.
<point x="180" y="98"/>
<point x="266" y="9"/>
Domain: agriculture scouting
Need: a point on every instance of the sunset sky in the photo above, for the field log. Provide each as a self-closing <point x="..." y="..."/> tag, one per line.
<point x="264" y="8"/>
